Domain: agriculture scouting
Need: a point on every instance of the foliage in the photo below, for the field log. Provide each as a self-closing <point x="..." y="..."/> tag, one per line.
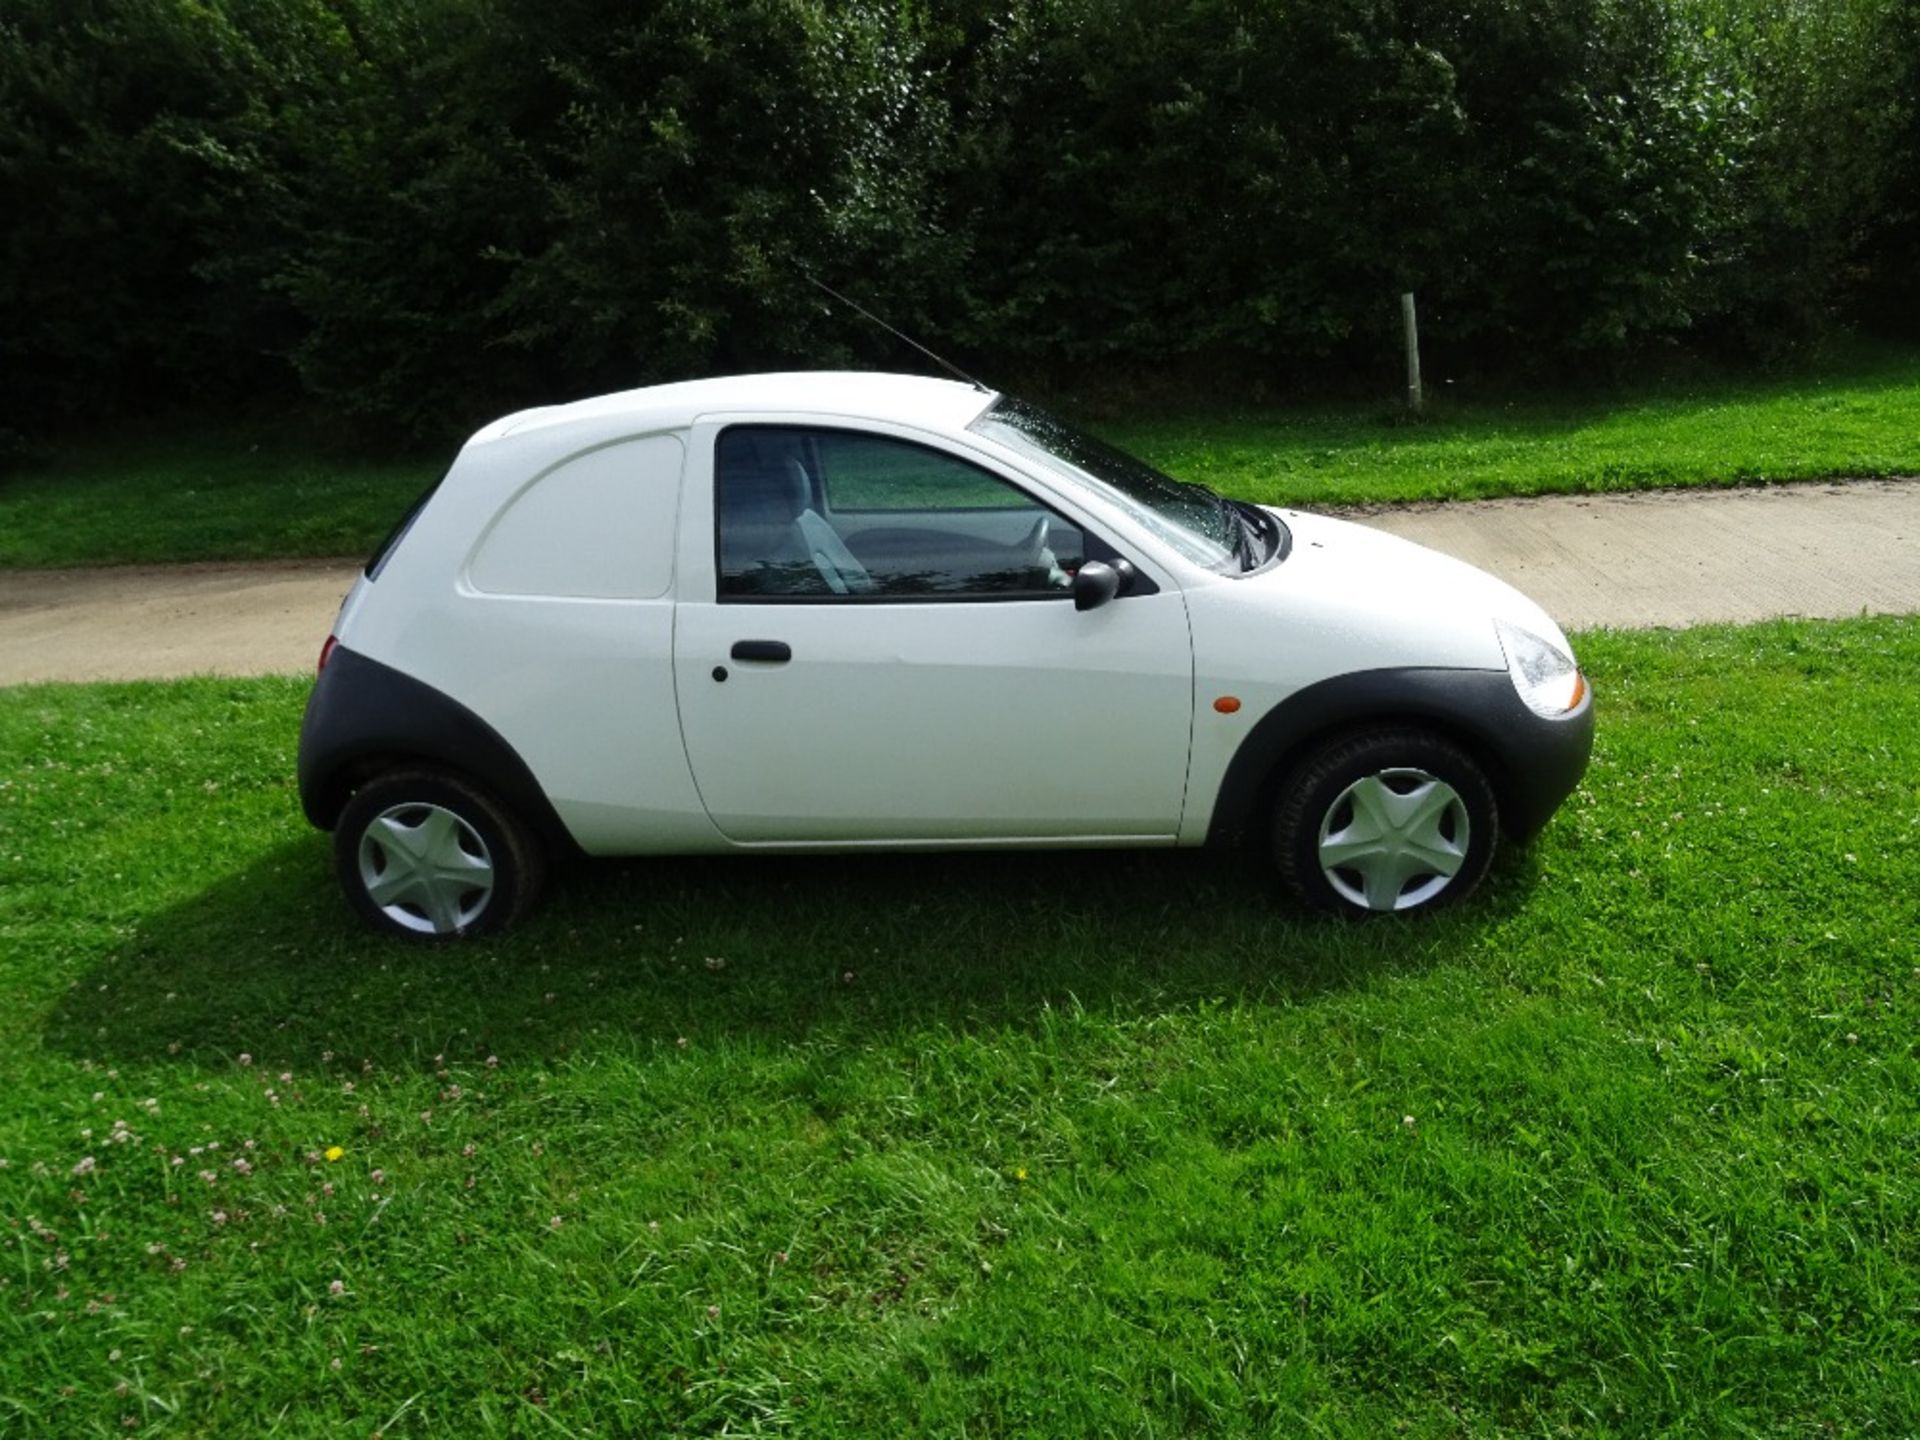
<point x="1060" y="1145"/>
<point x="590" y="198"/>
<point x="1265" y="181"/>
<point x="1812" y="153"/>
<point x="145" y="147"/>
<point x="433" y="210"/>
<point x="1891" y="258"/>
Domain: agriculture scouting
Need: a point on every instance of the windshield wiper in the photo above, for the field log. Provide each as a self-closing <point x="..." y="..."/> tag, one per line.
<point x="1243" y="530"/>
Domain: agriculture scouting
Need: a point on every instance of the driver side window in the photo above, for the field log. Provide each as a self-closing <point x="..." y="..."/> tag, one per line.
<point x="824" y="513"/>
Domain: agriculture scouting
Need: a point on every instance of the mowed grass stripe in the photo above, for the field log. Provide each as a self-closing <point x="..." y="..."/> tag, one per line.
<point x="994" y="1145"/>
<point x="1854" y="419"/>
<point x="232" y="490"/>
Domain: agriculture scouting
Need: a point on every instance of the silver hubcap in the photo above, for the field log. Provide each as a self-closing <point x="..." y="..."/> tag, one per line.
<point x="1394" y="840"/>
<point x="426" y="868"/>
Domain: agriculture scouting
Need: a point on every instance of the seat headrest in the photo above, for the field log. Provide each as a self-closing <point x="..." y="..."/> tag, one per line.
<point x="762" y="478"/>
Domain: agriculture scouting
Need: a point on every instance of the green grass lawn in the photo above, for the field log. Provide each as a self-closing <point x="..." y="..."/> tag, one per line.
<point x="1853" y="419"/>
<point x="1086" y="1144"/>
<point x="251" y="492"/>
<point x="201" y="492"/>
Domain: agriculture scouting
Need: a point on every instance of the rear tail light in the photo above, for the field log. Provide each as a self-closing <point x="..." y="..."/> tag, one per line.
<point x="326" y="653"/>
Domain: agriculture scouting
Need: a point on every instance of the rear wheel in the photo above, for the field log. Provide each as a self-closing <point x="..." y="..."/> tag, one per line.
<point x="427" y="855"/>
<point x="1385" y="821"/>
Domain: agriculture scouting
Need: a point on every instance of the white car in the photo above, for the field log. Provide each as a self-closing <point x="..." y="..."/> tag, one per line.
<point x="856" y="611"/>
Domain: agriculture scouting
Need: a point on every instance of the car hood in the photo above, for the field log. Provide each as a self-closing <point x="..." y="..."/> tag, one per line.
<point x="1341" y="566"/>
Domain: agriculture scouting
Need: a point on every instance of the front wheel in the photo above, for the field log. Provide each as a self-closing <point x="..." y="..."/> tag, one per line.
<point x="1384" y="821"/>
<point x="426" y="855"/>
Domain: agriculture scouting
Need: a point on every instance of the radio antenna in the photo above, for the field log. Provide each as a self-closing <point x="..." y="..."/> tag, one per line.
<point x="948" y="366"/>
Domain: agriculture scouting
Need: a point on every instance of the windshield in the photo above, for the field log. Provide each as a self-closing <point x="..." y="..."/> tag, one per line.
<point x="1218" y="533"/>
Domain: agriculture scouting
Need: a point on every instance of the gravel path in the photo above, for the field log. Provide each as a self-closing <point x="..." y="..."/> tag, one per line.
<point x="153" y="622"/>
<point x="1690" y="557"/>
<point x="1681" y="557"/>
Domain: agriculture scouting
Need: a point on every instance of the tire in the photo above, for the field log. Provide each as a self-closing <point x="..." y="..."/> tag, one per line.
<point x="455" y="833"/>
<point x="1354" y="798"/>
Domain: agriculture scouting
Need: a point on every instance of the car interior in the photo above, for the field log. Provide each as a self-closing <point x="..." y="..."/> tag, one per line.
<point x="908" y="521"/>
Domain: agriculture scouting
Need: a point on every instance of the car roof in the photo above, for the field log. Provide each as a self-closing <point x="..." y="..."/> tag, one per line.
<point x="917" y="400"/>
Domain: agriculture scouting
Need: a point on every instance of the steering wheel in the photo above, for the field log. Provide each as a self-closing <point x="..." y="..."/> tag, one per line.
<point x="1035" y="556"/>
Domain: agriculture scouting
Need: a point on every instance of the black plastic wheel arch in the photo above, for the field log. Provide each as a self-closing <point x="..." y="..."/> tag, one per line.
<point x="1534" y="763"/>
<point x="364" y="717"/>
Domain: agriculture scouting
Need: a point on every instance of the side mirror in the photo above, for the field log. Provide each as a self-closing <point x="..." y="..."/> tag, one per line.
<point x="1094" y="585"/>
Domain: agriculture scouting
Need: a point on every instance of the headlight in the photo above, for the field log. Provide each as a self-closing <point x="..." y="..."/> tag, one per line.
<point x="1543" y="674"/>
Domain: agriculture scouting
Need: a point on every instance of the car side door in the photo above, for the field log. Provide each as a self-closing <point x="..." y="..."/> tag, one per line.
<point x="875" y="642"/>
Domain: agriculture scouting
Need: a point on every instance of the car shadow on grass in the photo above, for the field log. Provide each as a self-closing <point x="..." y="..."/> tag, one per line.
<point x="753" y="950"/>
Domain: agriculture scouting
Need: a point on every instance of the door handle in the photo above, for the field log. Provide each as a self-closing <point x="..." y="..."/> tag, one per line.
<point x="771" y="652"/>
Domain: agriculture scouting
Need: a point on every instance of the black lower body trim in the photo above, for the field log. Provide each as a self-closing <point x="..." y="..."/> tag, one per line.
<point x="1533" y="762"/>
<point x="364" y="717"/>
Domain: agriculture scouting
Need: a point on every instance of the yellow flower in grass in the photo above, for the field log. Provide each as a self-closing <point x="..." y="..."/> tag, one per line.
<point x="335" y="1153"/>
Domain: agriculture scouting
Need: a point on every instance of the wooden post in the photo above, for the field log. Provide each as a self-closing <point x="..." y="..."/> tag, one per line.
<point x="1410" y="321"/>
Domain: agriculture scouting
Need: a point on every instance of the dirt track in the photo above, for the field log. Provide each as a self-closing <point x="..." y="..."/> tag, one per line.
<point x="139" y="622"/>
<point x="1665" y="558"/>
<point x="1689" y="557"/>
